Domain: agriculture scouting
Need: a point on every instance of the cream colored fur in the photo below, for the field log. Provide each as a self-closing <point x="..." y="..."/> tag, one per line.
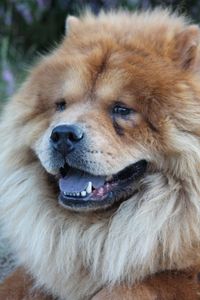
<point x="73" y="255"/>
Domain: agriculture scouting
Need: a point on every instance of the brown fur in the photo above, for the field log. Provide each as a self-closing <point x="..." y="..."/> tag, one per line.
<point x="19" y="286"/>
<point x="164" y="286"/>
<point x="150" y="63"/>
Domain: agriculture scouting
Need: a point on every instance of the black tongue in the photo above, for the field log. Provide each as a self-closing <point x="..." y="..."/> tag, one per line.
<point x="77" y="181"/>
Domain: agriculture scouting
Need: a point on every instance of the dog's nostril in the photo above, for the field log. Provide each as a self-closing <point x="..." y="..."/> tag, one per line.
<point x="76" y="134"/>
<point x="55" y="137"/>
<point x="72" y="137"/>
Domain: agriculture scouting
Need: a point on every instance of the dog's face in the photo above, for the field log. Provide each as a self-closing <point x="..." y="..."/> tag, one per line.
<point x="104" y="109"/>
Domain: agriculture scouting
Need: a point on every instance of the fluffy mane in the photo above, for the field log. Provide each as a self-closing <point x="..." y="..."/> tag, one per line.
<point x="76" y="254"/>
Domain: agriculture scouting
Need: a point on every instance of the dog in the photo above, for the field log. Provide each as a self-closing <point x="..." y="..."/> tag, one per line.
<point x="100" y="153"/>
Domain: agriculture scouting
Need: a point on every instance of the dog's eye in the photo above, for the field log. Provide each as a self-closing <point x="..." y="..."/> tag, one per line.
<point x="60" y="105"/>
<point x="121" y="110"/>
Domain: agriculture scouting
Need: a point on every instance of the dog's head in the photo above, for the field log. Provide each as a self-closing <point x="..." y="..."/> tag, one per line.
<point x="116" y="99"/>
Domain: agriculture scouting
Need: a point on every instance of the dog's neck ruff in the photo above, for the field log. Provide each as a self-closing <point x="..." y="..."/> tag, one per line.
<point x="142" y="230"/>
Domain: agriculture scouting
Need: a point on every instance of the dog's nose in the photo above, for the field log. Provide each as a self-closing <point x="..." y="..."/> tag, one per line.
<point x="64" y="137"/>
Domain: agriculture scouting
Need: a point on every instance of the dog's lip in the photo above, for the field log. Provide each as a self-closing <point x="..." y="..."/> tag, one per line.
<point x="113" y="189"/>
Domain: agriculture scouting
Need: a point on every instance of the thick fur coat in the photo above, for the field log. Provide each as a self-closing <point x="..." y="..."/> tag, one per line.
<point x="151" y="60"/>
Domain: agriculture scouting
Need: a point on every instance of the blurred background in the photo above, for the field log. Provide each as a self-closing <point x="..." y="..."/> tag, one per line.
<point x="30" y="28"/>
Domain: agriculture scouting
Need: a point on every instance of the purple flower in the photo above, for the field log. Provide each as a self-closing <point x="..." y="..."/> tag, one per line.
<point x="43" y="4"/>
<point x="8" y="77"/>
<point x="24" y="10"/>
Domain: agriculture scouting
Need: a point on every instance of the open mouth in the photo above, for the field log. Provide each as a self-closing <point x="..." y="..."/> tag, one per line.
<point x="80" y="190"/>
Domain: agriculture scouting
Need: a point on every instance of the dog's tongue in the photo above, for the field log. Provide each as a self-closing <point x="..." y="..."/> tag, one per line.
<point x="77" y="181"/>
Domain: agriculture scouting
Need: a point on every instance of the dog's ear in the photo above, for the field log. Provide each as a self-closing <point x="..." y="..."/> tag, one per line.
<point x="70" y="23"/>
<point x="186" y="48"/>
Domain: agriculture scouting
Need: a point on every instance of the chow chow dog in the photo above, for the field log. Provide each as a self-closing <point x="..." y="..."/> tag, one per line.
<point x="100" y="156"/>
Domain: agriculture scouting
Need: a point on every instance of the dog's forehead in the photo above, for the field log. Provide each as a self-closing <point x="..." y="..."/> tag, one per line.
<point x="105" y="74"/>
<point x="112" y="76"/>
<point x="103" y="80"/>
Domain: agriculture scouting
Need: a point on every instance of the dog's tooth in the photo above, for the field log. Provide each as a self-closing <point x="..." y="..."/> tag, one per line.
<point x="89" y="187"/>
<point x="83" y="193"/>
<point x="65" y="193"/>
<point x="77" y="194"/>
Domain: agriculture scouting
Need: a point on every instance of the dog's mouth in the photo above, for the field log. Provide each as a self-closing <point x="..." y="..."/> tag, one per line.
<point x="80" y="190"/>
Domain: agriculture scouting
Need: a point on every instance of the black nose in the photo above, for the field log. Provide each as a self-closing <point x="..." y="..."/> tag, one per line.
<point x="64" y="137"/>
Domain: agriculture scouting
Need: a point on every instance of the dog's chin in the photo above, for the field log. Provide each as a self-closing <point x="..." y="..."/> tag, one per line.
<point x="82" y="191"/>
